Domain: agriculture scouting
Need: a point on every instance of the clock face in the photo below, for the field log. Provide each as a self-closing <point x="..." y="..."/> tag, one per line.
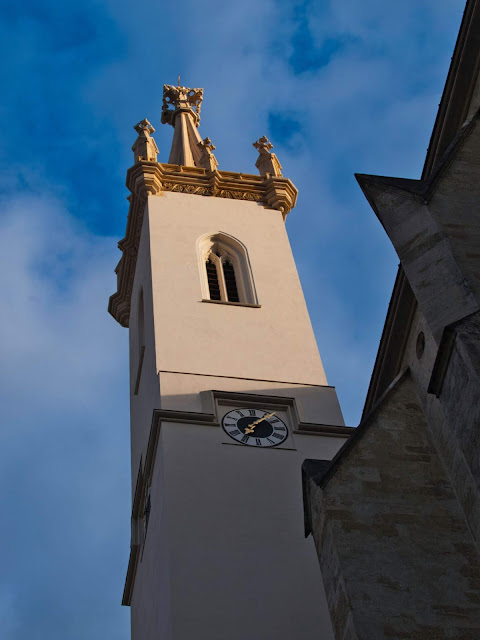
<point x="255" y="427"/>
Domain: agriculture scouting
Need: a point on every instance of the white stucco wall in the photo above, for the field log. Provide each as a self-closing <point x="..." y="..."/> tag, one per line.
<point x="225" y="555"/>
<point x="232" y="518"/>
<point x="315" y="403"/>
<point x="274" y="342"/>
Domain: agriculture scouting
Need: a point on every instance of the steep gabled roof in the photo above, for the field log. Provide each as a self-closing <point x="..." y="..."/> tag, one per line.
<point x="460" y="97"/>
<point x="460" y="101"/>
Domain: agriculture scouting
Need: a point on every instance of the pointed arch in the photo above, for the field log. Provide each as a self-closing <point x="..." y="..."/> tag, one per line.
<point x="225" y="272"/>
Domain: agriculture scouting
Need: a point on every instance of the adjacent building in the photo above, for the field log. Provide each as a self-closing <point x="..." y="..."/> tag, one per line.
<point x="396" y="515"/>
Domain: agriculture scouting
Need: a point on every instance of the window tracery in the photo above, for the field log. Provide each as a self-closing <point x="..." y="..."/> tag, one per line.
<point x="230" y="281"/>
<point x="212" y="278"/>
<point x="225" y="270"/>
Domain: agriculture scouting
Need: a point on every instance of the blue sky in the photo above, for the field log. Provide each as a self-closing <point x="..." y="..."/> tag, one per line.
<point x="338" y="87"/>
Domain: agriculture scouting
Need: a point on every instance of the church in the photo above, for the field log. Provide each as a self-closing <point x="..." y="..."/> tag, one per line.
<point x="229" y="397"/>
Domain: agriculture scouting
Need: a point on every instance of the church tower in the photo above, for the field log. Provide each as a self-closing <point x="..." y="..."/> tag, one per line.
<point x="228" y="396"/>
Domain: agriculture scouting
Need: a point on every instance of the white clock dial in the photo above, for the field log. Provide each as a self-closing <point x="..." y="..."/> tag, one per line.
<point x="255" y="427"/>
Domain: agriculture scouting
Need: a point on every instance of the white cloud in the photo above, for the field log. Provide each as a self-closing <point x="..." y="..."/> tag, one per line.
<point x="64" y="445"/>
<point x="64" y="454"/>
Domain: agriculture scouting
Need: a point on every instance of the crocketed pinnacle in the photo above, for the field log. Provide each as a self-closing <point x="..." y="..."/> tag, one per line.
<point x="181" y="109"/>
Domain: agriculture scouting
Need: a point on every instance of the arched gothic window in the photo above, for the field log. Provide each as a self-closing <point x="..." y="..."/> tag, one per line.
<point x="212" y="278"/>
<point x="225" y="270"/>
<point x="230" y="281"/>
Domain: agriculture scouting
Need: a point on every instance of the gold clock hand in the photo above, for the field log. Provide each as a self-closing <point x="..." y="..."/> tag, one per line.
<point x="251" y="427"/>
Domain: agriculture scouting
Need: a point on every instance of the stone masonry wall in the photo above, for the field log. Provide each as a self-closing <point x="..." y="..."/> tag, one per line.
<point x="396" y="553"/>
<point x="453" y="414"/>
<point x="454" y="419"/>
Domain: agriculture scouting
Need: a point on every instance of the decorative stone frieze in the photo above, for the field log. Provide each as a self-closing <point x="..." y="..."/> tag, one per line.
<point x="150" y="178"/>
<point x="119" y="303"/>
<point x="147" y="178"/>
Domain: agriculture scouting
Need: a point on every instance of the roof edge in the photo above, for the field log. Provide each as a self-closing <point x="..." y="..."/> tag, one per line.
<point x="459" y="87"/>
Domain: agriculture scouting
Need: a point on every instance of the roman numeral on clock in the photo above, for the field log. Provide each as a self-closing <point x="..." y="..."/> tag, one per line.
<point x="248" y="426"/>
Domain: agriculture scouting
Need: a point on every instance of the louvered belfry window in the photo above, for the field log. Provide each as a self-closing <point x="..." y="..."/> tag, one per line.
<point x="230" y="282"/>
<point x="212" y="277"/>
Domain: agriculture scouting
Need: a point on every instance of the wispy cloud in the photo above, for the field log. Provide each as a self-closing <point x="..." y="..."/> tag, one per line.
<point x="339" y="86"/>
<point x="64" y="440"/>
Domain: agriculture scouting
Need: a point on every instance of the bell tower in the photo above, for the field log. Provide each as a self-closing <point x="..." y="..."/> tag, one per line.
<point x="228" y="396"/>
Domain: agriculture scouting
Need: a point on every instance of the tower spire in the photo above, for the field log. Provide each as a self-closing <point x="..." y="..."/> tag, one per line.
<point x="181" y="109"/>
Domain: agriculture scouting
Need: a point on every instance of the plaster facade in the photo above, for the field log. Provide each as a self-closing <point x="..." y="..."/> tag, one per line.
<point x="277" y="330"/>
<point x="226" y="517"/>
<point x="217" y="540"/>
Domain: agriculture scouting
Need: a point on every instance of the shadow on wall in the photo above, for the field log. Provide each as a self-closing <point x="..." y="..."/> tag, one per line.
<point x="307" y="405"/>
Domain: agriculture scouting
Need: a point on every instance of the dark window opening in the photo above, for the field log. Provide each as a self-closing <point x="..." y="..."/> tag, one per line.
<point x="230" y="282"/>
<point x="212" y="277"/>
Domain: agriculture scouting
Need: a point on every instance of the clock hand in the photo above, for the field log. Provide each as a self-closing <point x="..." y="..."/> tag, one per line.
<point x="252" y="426"/>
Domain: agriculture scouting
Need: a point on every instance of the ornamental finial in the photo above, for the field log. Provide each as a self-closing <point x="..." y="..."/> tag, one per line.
<point x="207" y="159"/>
<point x="144" y="147"/>
<point x="267" y="162"/>
<point x="181" y="98"/>
<point x="181" y="109"/>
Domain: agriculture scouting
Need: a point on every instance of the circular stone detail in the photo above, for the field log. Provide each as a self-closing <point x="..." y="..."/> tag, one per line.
<point x="420" y="346"/>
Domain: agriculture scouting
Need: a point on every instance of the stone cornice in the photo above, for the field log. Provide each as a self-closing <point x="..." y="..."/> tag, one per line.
<point x="148" y="178"/>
